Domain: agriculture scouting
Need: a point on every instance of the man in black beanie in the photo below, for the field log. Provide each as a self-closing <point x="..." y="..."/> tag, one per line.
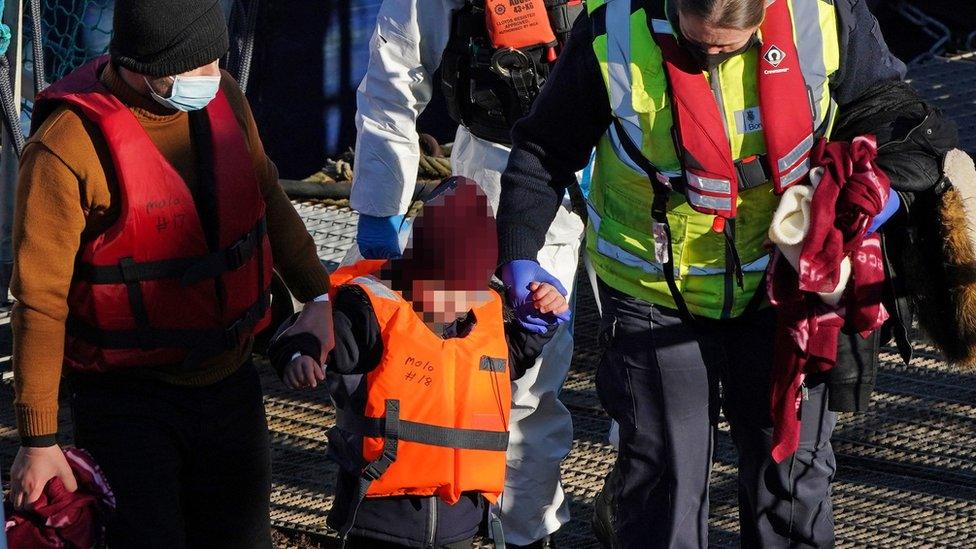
<point x="147" y="224"/>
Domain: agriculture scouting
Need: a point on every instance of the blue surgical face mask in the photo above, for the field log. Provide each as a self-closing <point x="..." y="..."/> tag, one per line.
<point x="190" y="93"/>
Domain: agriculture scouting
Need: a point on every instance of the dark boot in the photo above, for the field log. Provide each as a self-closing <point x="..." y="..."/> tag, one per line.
<point x="604" y="512"/>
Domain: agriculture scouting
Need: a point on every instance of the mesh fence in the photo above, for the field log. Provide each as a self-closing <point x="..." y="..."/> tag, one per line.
<point x="73" y="31"/>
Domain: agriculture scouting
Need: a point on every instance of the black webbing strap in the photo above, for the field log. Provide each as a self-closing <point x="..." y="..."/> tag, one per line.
<point x="375" y="469"/>
<point x="659" y="213"/>
<point x="137" y="303"/>
<point x="423" y="433"/>
<point x="758" y="298"/>
<point x="562" y="16"/>
<point x="205" y="191"/>
<point x="182" y="338"/>
<point x="229" y="259"/>
<point x="732" y="253"/>
<point x="578" y="201"/>
<point x="148" y="270"/>
<point x="189" y="270"/>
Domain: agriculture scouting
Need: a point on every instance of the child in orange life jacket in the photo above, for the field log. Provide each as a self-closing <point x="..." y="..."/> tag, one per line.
<point x="420" y="379"/>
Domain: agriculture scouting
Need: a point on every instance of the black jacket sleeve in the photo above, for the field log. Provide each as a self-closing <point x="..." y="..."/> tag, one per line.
<point x="550" y="145"/>
<point x="913" y="138"/>
<point x="524" y="347"/>
<point x="359" y="345"/>
<point x="865" y="60"/>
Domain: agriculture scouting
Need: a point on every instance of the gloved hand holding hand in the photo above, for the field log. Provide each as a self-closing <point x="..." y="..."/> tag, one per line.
<point x="529" y="289"/>
<point x="379" y="237"/>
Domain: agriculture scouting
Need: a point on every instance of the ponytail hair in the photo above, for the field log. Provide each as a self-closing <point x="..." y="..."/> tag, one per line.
<point x="730" y="14"/>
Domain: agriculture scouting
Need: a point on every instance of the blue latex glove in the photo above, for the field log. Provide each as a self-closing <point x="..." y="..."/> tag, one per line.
<point x="379" y="237"/>
<point x="891" y="207"/>
<point x="517" y="276"/>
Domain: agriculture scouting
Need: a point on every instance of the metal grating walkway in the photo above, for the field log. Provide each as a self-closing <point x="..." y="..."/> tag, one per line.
<point x="950" y="84"/>
<point x="906" y="478"/>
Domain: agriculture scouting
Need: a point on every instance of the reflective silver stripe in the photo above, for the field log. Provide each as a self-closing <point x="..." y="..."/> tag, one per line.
<point x="796" y="154"/>
<point x="620" y="255"/>
<point x="756" y="266"/>
<point x="709" y="184"/>
<point x="795" y="174"/>
<point x="626" y="258"/>
<point x="661" y="26"/>
<point x="620" y="151"/>
<point x="593" y="216"/>
<point x="611" y="250"/>
<point x="377" y="287"/>
<point x="618" y="72"/>
<point x="810" y="48"/>
<point x="712" y="202"/>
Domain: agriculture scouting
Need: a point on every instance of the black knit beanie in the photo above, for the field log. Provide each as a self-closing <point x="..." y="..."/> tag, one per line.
<point x="167" y="37"/>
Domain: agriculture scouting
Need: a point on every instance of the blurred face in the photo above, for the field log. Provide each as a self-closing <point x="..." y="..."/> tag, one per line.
<point x="438" y="305"/>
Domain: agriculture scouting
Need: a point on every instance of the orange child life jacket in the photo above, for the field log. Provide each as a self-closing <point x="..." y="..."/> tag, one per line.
<point x="435" y="421"/>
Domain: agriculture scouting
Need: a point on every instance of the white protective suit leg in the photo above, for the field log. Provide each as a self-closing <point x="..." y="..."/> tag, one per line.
<point x="541" y="429"/>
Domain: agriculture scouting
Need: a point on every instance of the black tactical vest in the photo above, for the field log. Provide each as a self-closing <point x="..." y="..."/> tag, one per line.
<point x="488" y="89"/>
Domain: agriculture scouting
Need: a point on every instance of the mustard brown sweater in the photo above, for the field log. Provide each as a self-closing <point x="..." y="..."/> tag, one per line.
<point x="68" y="194"/>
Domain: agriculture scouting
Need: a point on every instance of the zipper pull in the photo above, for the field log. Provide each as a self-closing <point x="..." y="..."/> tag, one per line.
<point x="804" y="391"/>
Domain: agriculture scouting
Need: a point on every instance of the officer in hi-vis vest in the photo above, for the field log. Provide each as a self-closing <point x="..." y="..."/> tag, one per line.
<point x="494" y="57"/>
<point x="676" y="232"/>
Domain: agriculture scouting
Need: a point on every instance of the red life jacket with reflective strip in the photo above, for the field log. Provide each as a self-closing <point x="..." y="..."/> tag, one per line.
<point x="150" y="291"/>
<point x="702" y="143"/>
<point x="436" y="414"/>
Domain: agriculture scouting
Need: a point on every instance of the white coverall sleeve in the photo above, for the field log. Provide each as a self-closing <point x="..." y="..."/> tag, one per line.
<point x="405" y="50"/>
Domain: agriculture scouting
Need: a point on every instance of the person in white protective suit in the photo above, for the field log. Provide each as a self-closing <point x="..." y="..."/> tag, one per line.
<point x="486" y="93"/>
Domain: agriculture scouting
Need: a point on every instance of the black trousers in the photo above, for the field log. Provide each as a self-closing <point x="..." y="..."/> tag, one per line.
<point x="664" y="382"/>
<point x="189" y="466"/>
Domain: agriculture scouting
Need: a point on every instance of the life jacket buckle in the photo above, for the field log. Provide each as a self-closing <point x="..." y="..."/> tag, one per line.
<point x="374" y="470"/>
<point x="238" y="253"/>
<point x="234" y="335"/>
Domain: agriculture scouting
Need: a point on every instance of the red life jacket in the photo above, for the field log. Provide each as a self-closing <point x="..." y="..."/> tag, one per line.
<point x="153" y="289"/>
<point x="711" y="177"/>
<point x="435" y="420"/>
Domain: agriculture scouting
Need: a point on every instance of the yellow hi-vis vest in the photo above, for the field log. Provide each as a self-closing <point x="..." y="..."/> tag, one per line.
<point x="621" y="235"/>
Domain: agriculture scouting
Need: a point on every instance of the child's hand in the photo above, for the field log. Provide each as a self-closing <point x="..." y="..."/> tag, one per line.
<point x="303" y="373"/>
<point x="547" y="299"/>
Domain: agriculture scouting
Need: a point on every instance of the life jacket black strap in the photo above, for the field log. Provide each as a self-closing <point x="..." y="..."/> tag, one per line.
<point x="562" y="15"/>
<point x="423" y="433"/>
<point x="659" y="213"/>
<point x="391" y="436"/>
<point x="189" y="270"/>
<point x="753" y="172"/>
<point x="159" y="338"/>
<point x="229" y="259"/>
<point x="137" y="301"/>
